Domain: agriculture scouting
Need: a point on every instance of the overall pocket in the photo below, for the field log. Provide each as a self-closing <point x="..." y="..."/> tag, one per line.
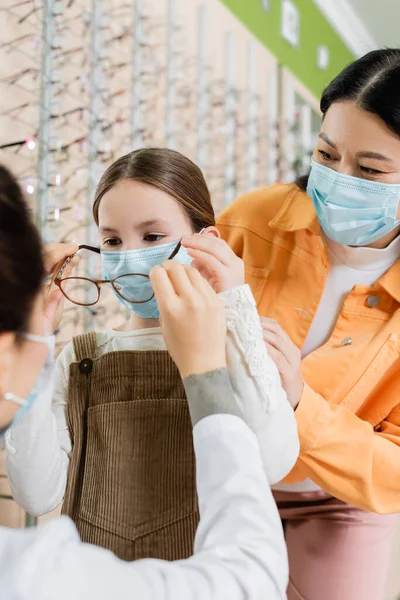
<point x="140" y="475"/>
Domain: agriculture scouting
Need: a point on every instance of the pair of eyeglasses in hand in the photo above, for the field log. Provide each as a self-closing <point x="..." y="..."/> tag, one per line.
<point x="85" y="291"/>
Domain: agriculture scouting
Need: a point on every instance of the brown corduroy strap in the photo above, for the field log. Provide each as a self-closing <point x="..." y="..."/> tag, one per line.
<point x="131" y="486"/>
<point x="85" y="346"/>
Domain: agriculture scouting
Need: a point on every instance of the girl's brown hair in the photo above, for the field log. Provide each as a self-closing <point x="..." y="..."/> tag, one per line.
<point x="170" y="172"/>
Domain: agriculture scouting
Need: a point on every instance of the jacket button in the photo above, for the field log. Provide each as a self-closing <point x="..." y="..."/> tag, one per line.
<point x="346" y="342"/>
<point x="86" y="366"/>
<point x="373" y="301"/>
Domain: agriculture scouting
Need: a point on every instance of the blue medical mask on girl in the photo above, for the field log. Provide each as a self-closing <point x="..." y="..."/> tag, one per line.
<point x="42" y="381"/>
<point x="353" y="211"/>
<point x="137" y="263"/>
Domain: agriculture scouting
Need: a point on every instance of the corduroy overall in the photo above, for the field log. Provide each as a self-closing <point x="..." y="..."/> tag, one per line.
<point x="132" y="484"/>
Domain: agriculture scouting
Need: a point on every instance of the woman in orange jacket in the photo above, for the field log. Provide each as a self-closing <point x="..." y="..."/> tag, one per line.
<point x="322" y="259"/>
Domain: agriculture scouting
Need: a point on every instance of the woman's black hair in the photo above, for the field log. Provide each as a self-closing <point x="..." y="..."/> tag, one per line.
<point x="21" y="261"/>
<point x="373" y="83"/>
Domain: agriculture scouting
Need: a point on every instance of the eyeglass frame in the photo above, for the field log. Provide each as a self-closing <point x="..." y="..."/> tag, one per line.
<point x="99" y="282"/>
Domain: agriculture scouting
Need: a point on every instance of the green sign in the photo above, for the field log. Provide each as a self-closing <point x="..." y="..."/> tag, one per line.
<point x="300" y="37"/>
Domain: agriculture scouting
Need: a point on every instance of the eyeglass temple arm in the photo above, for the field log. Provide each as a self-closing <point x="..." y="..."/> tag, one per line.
<point x="91" y="248"/>
<point x="179" y="245"/>
<point x="175" y="252"/>
<point x="61" y="266"/>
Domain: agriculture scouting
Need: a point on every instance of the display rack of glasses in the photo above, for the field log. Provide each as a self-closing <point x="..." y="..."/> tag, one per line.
<point x="20" y="51"/>
<point x="84" y="81"/>
<point x="298" y="127"/>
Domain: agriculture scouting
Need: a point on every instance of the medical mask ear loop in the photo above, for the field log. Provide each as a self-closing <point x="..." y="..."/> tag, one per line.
<point x="39" y="339"/>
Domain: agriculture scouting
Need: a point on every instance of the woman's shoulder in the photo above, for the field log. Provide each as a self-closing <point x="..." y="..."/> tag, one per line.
<point x="260" y="205"/>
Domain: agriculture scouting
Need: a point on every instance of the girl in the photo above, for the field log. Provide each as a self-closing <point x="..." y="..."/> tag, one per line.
<point x="237" y="509"/>
<point x="322" y="258"/>
<point x="115" y="441"/>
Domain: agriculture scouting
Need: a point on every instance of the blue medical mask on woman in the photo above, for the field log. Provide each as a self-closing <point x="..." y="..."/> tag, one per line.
<point x="41" y="383"/>
<point x="353" y="211"/>
<point x="140" y="261"/>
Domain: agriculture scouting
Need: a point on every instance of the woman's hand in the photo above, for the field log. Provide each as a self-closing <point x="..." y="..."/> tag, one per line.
<point x="287" y="358"/>
<point x="215" y="260"/>
<point x="192" y="318"/>
<point x="53" y="298"/>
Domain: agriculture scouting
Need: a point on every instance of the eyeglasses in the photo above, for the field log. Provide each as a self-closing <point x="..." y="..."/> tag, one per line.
<point x="84" y="291"/>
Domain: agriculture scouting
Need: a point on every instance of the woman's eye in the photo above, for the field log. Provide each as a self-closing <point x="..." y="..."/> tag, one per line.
<point x="326" y="155"/>
<point x="112" y="242"/>
<point x="153" y="237"/>
<point x="369" y="171"/>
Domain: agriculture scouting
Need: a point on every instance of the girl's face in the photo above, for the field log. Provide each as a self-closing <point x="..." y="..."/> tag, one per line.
<point x="355" y="142"/>
<point x="136" y="215"/>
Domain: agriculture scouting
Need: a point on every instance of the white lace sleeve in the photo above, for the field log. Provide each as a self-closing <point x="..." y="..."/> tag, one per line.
<point x="244" y="327"/>
<point x="257" y="385"/>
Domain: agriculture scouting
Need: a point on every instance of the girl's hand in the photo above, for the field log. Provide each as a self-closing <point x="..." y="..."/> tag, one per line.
<point x="287" y="358"/>
<point x="215" y="260"/>
<point x="192" y="318"/>
<point x="53" y="298"/>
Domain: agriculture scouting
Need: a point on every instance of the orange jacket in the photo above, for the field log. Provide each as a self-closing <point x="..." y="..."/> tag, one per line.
<point x="349" y="414"/>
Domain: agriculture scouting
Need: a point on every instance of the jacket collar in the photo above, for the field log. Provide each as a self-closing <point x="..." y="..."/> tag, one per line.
<point x="391" y="281"/>
<point x="297" y="213"/>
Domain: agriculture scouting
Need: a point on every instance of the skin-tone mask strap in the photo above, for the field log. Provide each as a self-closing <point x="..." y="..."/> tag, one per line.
<point x="32" y="337"/>
<point x="13" y="398"/>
